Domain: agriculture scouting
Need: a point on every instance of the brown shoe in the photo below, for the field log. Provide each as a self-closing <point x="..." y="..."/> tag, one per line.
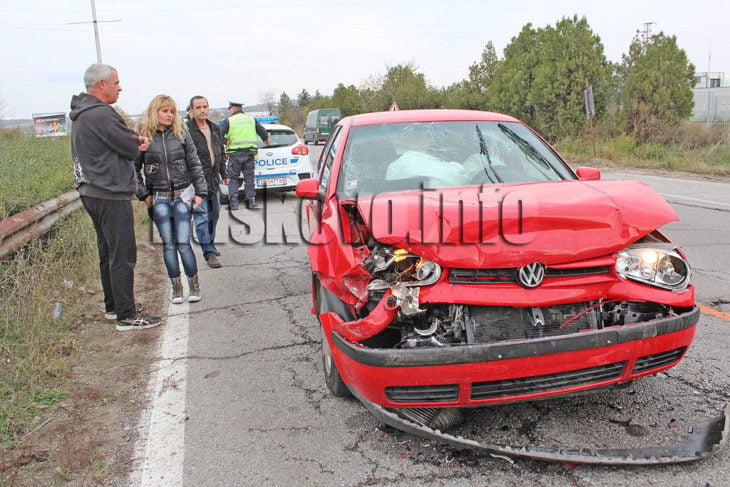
<point x="213" y="261"/>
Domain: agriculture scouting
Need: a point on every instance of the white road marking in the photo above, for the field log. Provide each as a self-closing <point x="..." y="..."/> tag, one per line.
<point x="694" y="199"/>
<point x="162" y="445"/>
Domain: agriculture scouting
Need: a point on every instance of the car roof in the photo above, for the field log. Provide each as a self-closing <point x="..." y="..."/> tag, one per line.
<point x="437" y="115"/>
<point x="276" y="126"/>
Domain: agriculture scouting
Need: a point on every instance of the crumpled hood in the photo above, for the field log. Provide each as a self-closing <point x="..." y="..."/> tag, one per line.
<point x="498" y="226"/>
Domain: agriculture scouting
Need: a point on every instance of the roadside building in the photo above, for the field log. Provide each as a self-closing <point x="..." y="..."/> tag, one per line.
<point x="711" y="97"/>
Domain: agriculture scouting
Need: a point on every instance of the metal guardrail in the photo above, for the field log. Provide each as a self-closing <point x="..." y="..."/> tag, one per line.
<point x="22" y="227"/>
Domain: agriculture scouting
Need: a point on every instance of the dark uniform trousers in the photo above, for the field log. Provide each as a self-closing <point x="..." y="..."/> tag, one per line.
<point x="241" y="160"/>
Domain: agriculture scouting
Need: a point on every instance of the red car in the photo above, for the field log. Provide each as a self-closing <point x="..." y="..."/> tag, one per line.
<point x="458" y="261"/>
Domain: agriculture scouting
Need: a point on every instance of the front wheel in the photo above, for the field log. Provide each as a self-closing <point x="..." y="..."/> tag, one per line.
<point x="332" y="376"/>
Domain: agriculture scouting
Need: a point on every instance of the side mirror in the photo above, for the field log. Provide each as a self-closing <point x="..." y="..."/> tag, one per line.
<point x="308" y="189"/>
<point x="588" y="173"/>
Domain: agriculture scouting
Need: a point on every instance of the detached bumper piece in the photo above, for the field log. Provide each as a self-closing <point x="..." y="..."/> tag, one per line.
<point x="705" y="439"/>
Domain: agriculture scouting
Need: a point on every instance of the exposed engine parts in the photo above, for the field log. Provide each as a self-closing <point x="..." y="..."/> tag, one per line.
<point x="443" y="325"/>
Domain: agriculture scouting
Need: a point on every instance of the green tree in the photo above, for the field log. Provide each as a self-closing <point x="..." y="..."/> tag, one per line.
<point x="285" y="109"/>
<point x="543" y="76"/>
<point x="348" y="100"/>
<point x="481" y="73"/>
<point x="472" y="93"/>
<point x="304" y="99"/>
<point x="656" y="82"/>
<point x="403" y="85"/>
<point x="513" y="80"/>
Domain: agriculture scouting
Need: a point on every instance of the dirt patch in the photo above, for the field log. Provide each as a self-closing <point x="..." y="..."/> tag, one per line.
<point x="89" y="437"/>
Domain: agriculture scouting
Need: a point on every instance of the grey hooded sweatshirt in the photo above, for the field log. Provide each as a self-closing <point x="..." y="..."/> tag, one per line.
<point x="103" y="150"/>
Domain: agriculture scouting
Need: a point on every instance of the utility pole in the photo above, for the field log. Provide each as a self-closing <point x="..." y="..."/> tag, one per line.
<point x="96" y="29"/>
<point x="647" y="31"/>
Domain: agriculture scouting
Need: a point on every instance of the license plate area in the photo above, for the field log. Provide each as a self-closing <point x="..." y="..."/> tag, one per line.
<point x="270" y="182"/>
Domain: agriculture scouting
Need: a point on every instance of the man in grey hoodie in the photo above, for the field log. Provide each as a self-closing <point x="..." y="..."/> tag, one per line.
<point x="103" y="150"/>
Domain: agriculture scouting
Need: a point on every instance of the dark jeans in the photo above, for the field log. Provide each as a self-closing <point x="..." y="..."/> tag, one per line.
<point x="241" y="160"/>
<point x="114" y="224"/>
<point x="205" y="219"/>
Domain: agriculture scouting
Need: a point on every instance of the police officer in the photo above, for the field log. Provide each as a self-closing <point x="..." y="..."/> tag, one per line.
<point x="240" y="131"/>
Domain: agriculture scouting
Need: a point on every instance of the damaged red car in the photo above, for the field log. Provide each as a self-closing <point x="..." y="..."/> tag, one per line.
<point x="458" y="261"/>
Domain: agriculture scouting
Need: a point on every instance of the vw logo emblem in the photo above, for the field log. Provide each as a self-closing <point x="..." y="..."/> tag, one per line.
<point x="531" y="275"/>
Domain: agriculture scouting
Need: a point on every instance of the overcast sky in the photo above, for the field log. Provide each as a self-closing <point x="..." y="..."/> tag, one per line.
<point x="239" y="49"/>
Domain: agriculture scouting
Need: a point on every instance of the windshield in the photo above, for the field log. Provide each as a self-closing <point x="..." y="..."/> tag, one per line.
<point x="431" y="155"/>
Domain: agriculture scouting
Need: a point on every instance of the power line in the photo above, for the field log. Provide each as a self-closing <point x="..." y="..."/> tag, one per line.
<point x="96" y="29"/>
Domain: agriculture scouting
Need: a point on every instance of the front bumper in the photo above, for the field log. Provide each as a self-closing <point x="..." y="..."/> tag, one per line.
<point x="705" y="439"/>
<point x="474" y="375"/>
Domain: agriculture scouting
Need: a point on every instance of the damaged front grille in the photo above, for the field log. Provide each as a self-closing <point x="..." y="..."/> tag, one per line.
<point x="546" y="383"/>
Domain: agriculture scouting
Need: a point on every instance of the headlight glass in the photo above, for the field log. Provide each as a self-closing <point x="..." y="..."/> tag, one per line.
<point x="655" y="264"/>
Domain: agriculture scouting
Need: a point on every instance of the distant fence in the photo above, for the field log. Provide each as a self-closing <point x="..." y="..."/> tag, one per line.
<point x="22" y="227"/>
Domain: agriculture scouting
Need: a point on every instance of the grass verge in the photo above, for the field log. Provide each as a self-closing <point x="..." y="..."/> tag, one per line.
<point x="35" y="169"/>
<point x="41" y="292"/>
<point x="71" y="387"/>
<point x="690" y="149"/>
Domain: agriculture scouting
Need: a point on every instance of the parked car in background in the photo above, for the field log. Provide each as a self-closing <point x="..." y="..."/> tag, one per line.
<point x="319" y="124"/>
<point x="458" y="261"/>
<point x="281" y="164"/>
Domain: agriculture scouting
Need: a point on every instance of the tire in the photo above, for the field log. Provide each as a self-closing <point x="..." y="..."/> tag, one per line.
<point x="332" y="376"/>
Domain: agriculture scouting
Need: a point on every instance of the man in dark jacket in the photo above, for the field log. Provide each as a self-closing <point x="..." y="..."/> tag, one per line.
<point x="103" y="149"/>
<point x="211" y="151"/>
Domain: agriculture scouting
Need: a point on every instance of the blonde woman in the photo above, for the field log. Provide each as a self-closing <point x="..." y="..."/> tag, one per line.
<point x="164" y="171"/>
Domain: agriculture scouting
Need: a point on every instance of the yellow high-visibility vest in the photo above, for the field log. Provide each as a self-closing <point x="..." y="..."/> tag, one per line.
<point x="241" y="132"/>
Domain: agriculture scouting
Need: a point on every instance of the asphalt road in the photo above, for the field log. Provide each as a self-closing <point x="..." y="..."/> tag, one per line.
<point x="238" y="397"/>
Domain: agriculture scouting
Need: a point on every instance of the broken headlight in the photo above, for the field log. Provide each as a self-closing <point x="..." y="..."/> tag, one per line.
<point x="655" y="264"/>
<point x="391" y="266"/>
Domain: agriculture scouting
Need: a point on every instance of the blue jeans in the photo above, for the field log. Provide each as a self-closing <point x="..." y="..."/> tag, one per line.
<point x="205" y="219"/>
<point x="172" y="219"/>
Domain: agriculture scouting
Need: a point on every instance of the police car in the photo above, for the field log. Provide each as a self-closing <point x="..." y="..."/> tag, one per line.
<point x="281" y="164"/>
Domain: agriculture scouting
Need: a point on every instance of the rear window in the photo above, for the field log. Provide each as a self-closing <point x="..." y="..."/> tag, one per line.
<point x="279" y="138"/>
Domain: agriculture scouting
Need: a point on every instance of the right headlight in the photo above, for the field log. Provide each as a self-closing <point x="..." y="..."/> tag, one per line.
<point x="656" y="264"/>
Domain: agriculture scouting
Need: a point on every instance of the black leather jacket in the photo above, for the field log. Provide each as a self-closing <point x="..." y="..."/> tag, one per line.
<point x="168" y="165"/>
<point x="212" y="173"/>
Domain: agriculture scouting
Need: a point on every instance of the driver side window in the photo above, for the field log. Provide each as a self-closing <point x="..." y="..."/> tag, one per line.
<point x="328" y="155"/>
